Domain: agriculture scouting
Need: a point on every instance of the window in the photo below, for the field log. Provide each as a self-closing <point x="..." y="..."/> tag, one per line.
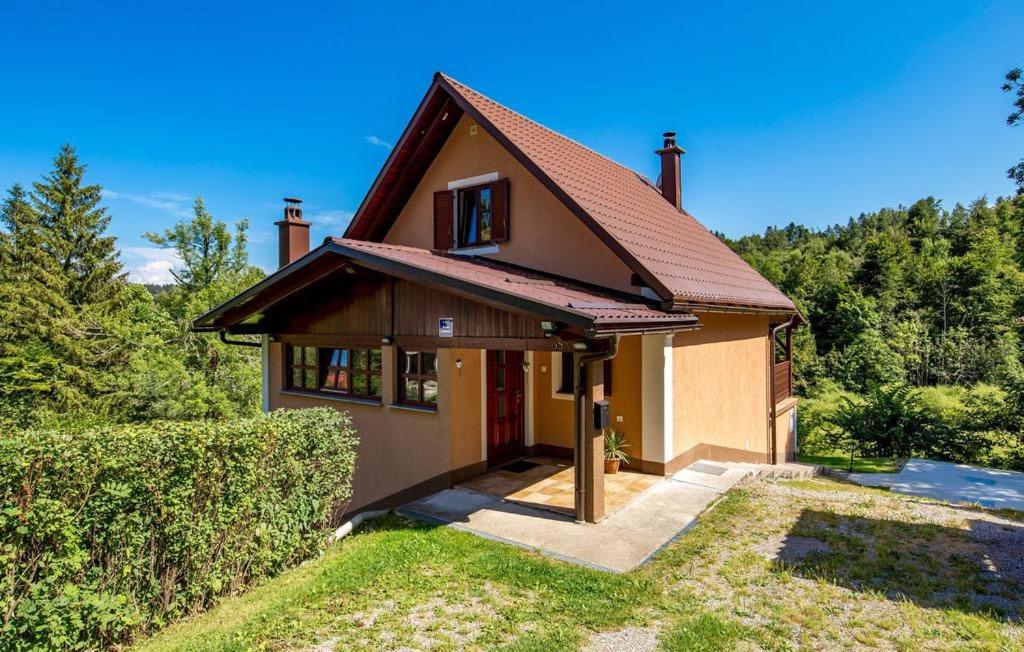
<point x="475" y="216"/>
<point x="354" y="372"/>
<point x="481" y="214"/>
<point x="300" y="372"/>
<point x="567" y="380"/>
<point x="417" y="377"/>
<point x="349" y="372"/>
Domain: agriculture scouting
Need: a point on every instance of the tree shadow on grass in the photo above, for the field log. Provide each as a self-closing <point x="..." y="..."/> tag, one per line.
<point x="975" y="570"/>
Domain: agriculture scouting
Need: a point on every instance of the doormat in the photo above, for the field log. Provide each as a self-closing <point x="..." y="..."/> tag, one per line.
<point x="710" y="469"/>
<point x="519" y="466"/>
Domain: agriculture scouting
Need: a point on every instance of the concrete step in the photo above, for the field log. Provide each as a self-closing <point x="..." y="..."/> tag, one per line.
<point x="781" y="471"/>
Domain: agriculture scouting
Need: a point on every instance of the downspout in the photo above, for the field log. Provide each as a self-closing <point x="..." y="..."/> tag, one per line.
<point x="580" y="420"/>
<point x="224" y="338"/>
<point x="772" y="415"/>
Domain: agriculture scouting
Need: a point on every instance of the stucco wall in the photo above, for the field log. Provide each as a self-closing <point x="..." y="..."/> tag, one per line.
<point x="540" y="226"/>
<point x="398" y="447"/>
<point x="720" y="385"/>
<point x="467" y="405"/>
<point x="785" y="430"/>
<point x="553" y="418"/>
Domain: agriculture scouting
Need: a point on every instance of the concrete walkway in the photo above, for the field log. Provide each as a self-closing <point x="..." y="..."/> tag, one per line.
<point x="624" y="540"/>
<point x="955" y="483"/>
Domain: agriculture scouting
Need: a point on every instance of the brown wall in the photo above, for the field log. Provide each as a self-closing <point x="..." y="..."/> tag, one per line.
<point x="400" y="448"/>
<point x="540" y="226"/>
<point x="720" y="378"/>
<point x="553" y="418"/>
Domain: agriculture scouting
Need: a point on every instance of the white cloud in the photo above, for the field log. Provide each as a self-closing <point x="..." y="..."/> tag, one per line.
<point x="330" y="217"/>
<point x="373" y="140"/>
<point x="174" y="203"/>
<point x="150" y="264"/>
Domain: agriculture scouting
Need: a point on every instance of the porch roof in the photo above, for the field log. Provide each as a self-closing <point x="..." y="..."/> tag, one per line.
<point x="586" y="308"/>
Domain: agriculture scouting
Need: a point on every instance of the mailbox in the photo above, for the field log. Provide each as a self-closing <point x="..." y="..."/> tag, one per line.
<point x="601" y="415"/>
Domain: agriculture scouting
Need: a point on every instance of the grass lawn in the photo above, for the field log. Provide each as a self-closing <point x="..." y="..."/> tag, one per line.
<point x="860" y="464"/>
<point x="812" y="564"/>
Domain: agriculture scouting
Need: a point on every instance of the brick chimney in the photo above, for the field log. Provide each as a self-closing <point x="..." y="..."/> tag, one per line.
<point x="672" y="170"/>
<point x="293" y="233"/>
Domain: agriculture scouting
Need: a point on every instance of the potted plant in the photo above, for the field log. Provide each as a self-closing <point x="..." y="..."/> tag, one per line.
<point x="614" y="450"/>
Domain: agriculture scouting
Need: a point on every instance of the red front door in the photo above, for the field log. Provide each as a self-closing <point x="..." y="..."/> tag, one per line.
<point x="505" y="407"/>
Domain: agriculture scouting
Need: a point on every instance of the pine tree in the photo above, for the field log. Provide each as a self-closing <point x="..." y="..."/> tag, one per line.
<point x="75" y="224"/>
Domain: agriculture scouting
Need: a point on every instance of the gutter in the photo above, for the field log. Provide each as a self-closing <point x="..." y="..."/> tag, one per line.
<point x="224" y="338"/>
<point x="580" y="424"/>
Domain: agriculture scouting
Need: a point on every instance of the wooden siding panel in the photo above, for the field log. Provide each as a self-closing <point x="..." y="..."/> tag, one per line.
<point x="360" y="305"/>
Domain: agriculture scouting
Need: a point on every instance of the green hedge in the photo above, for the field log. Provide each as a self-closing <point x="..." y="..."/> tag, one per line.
<point x="111" y="532"/>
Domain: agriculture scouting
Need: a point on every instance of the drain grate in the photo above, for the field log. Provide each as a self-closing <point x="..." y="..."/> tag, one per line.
<point x="710" y="469"/>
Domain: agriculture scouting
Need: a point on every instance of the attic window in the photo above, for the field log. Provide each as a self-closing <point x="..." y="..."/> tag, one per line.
<point x="471" y="216"/>
<point x="475" y="216"/>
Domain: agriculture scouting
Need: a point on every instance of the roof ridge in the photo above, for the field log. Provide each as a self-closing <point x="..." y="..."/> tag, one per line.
<point x="577" y="143"/>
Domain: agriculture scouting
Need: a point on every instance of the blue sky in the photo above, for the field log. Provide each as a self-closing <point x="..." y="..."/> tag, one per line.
<point x="811" y="112"/>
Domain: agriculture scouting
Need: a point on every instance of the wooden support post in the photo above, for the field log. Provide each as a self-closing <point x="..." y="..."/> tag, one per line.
<point x="589" y="449"/>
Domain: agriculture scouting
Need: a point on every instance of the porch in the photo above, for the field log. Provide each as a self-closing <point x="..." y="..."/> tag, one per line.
<point x="547" y="483"/>
<point x="625" y="539"/>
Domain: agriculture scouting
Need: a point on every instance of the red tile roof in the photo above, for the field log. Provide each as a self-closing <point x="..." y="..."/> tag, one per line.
<point x="603" y="307"/>
<point x="678" y="251"/>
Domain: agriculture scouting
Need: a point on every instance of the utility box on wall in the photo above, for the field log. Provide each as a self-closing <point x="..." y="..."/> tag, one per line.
<point x="602" y="415"/>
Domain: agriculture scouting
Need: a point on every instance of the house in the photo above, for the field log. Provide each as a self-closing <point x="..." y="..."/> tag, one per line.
<point x="505" y="291"/>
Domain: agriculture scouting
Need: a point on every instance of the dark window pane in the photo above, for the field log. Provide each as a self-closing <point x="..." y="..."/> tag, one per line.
<point x="429" y="362"/>
<point x="468" y="218"/>
<point x="331" y="381"/>
<point x="565" y="385"/>
<point x="485" y="215"/>
<point x="359" y="384"/>
<point x="411" y="391"/>
<point x="501" y="407"/>
<point x="499" y="357"/>
<point x="411" y="364"/>
<point x="430" y="391"/>
<point x="501" y="379"/>
<point x="375" y="359"/>
<point x="359" y="358"/>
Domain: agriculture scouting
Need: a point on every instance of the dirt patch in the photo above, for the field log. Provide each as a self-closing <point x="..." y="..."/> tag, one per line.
<point x="630" y="639"/>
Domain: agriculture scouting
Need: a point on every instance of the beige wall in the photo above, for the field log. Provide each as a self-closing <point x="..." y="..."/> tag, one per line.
<point x="720" y="378"/>
<point x="398" y="447"/>
<point x="553" y="418"/>
<point x="540" y="226"/>
<point x="467" y="405"/>
<point x="785" y="430"/>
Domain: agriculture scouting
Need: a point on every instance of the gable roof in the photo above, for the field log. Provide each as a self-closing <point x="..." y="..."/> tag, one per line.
<point x="589" y="309"/>
<point x="683" y="262"/>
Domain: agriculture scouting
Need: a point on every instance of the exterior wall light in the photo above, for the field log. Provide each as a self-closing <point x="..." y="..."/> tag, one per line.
<point x="526" y="366"/>
<point x="458" y="363"/>
<point x="387" y="340"/>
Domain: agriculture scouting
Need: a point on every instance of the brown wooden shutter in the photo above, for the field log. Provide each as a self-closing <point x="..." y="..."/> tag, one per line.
<point x="499" y="210"/>
<point x="443" y="220"/>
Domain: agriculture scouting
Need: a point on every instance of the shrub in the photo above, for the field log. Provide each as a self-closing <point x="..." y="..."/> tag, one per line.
<point x="112" y="531"/>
